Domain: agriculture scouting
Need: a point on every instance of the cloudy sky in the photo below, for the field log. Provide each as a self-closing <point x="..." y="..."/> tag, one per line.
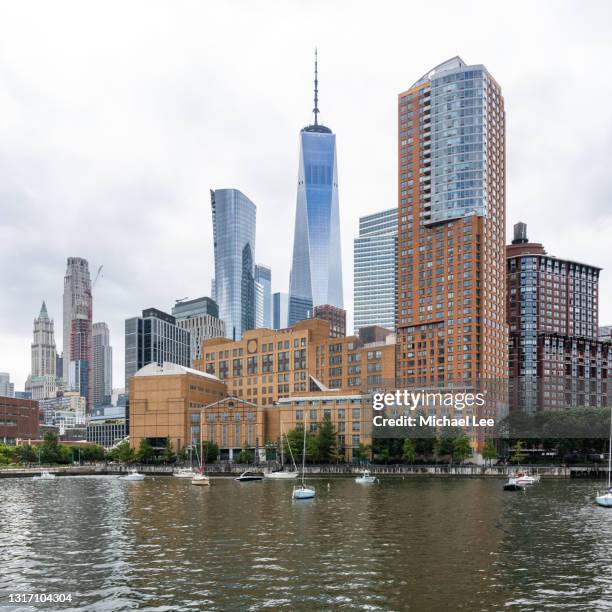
<point x="116" y="118"/>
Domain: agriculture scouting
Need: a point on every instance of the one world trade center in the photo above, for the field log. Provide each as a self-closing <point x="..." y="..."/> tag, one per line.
<point x="316" y="268"/>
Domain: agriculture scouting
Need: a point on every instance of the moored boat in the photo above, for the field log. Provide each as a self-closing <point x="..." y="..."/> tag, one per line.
<point x="249" y="477"/>
<point x="302" y="491"/>
<point x="605" y="498"/>
<point x="133" y="475"/>
<point x="44" y="475"/>
<point x="184" y="473"/>
<point x="366" y="478"/>
<point x="513" y="485"/>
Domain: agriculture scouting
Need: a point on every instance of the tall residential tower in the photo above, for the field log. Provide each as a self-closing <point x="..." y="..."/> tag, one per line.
<point x="374" y="270"/>
<point x="316" y="269"/>
<point x="451" y="223"/>
<point x="78" y="349"/>
<point x="102" y="365"/>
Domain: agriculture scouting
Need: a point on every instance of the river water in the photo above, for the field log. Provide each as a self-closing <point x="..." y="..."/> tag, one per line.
<point x="414" y="544"/>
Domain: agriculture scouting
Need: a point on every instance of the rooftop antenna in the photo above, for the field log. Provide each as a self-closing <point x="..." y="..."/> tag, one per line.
<point x="316" y="92"/>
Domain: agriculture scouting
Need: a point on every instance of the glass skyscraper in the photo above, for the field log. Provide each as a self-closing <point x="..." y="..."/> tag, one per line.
<point x="154" y="338"/>
<point x="374" y="270"/>
<point x="316" y="270"/>
<point x="263" y="276"/>
<point x="233" y="216"/>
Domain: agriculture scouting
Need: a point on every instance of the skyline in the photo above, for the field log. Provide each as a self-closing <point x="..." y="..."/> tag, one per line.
<point x="79" y="155"/>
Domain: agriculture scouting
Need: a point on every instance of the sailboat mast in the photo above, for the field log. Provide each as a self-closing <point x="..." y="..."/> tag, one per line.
<point x="610" y="451"/>
<point x="304" y="454"/>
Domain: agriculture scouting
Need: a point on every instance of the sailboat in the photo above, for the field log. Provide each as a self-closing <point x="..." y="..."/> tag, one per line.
<point x="301" y="491"/>
<point x="605" y="499"/>
<point x="184" y="472"/>
<point x="200" y="478"/>
<point x="281" y="474"/>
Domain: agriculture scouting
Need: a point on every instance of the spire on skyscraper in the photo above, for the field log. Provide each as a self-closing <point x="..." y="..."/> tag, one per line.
<point x="43" y="311"/>
<point x="315" y="110"/>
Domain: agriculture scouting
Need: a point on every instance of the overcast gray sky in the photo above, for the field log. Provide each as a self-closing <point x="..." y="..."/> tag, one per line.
<point x="116" y="118"/>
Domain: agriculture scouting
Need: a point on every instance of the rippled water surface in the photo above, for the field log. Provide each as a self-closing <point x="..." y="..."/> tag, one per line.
<point x="414" y="544"/>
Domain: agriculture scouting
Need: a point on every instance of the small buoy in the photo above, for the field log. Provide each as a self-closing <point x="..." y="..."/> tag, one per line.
<point x="328" y="486"/>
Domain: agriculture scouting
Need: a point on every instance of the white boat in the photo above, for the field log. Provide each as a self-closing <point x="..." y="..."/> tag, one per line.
<point x="605" y="498"/>
<point x="44" y="475"/>
<point x="513" y="485"/>
<point x="249" y="476"/>
<point x="301" y="491"/>
<point x="133" y="475"/>
<point x="200" y="479"/>
<point x="522" y="478"/>
<point x="366" y="478"/>
<point x="281" y="474"/>
<point x="184" y="473"/>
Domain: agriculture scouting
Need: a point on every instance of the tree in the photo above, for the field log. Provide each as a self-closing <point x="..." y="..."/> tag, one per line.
<point x="122" y="452"/>
<point x="24" y="453"/>
<point x="461" y="448"/>
<point x="362" y="453"/>
<point x="49" y="451"/>
<point x="408" y="452"/>
<point x="444" y="447"/>
<point x="518" y="455"/>
<point x="296" y="442"/>
<point x="145" y="451"/>
<point x="210" y="451"/>
<point x="245" y="455"/>
<point x="168" y="455"/>
<point x="327" y="440"/>
<point x="489" y="452"/>
<point x="383" y="455"/>
<point x="337" y="455"/>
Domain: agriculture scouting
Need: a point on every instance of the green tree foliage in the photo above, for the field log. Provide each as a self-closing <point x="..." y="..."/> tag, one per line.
<point x="49" y="451"/>
<point x="296" y="442"/>
<point x="408" y="451"/>
<point x="168" y="455"/>
<point x="210" y="451"/>
<point x="489" y="452"/>
<point x="145" y="453"/>
<point x="245" y="455"/>
<point x="362" y="452"/>
<point x="461" y="448"/>
<point x="518" y="455"/>
<point x="123" y="453"/>
<point x="327" y="440"/>
<point x="444" y="447"/>
<point x="25" y="453"/>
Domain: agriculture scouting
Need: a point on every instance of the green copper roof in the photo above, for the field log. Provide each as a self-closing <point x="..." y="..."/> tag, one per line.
<point x="43" y="311"/>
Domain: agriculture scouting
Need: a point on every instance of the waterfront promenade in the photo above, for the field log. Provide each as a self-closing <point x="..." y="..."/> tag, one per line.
<point x="403" y="471"/>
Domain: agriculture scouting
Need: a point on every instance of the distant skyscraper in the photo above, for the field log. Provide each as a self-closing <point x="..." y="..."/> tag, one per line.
<point x="316" y="270"/>
<point x="42" y="382"/>
<point x="451" y="314"/>
<point x="336" y="317"/>
<point x="234" y="216"/>
<point x="374" y="270"/>
<point x="263" y="276"/>
<point x="78" y="327"/>
<point x="280" y="307"/>
<point x="154" y="337"/>
<point x="200" y="317"/>
<point x="7" y="388"/>
<point x="102" y="365"/>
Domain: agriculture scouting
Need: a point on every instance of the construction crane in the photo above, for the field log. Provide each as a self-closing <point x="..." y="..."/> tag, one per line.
<point x="97" y="277"/>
